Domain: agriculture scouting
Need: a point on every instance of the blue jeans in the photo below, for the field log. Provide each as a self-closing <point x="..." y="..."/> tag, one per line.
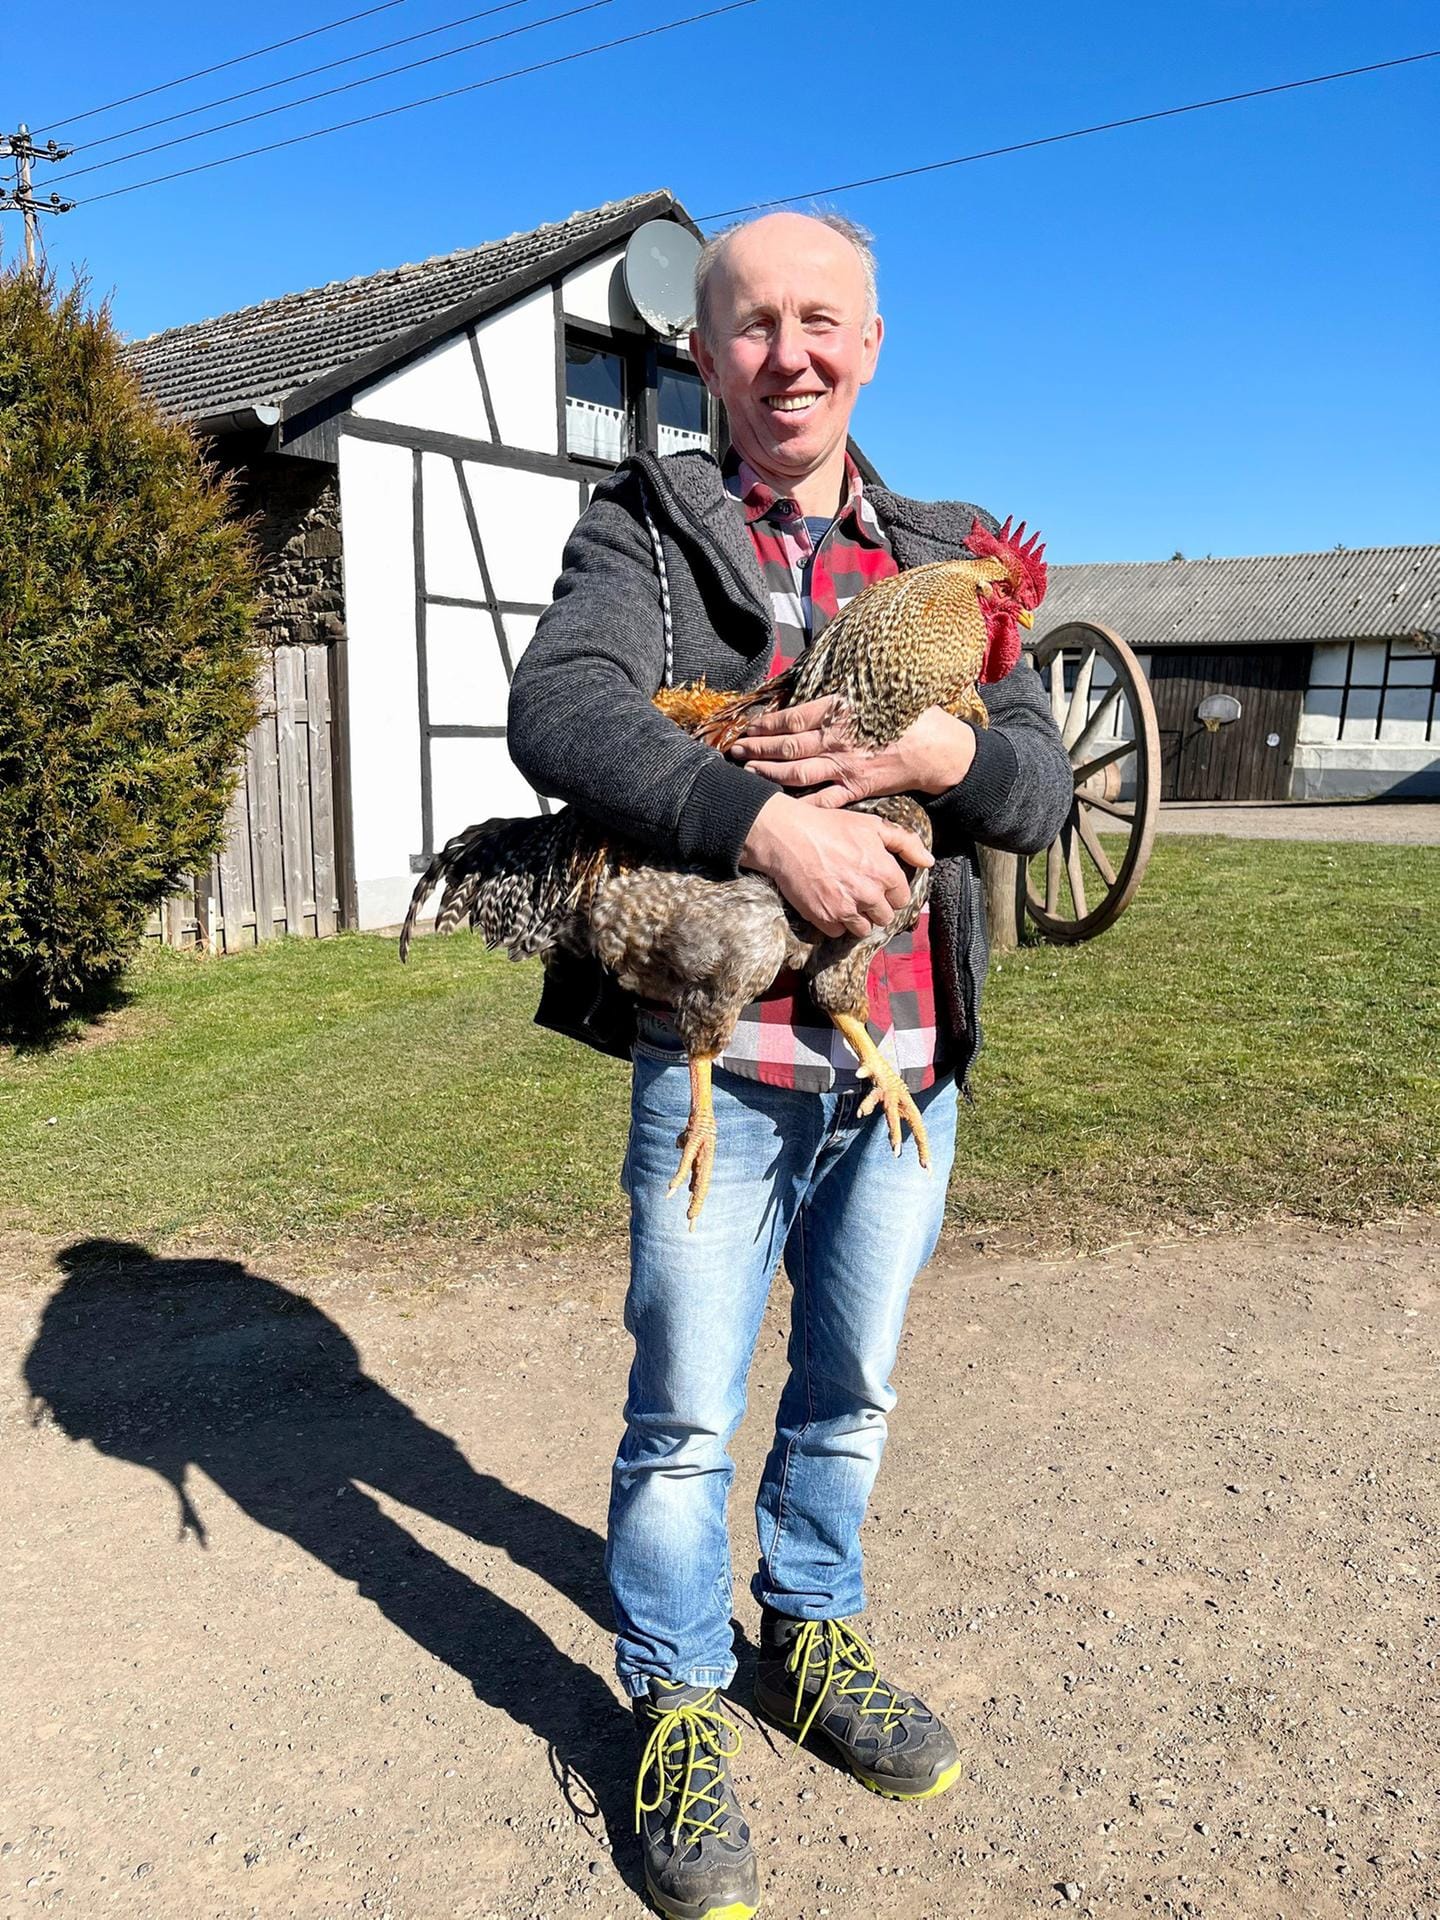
<point x="795" y="1173"/>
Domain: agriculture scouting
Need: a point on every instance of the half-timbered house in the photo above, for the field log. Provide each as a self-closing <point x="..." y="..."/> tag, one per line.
<point x="415" y="446"/>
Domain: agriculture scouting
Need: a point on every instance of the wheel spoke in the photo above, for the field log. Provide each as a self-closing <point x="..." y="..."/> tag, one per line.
<point x="1052" y="877"/>
<point x="1101" y="761"/>
<point x="1127" y="814"/>
<point x="1079" y="701"/>
<point x="1057" y="687"/>
<point x="1093" y="847"/>
<point x="1077" y="877"/>
<point x="1092" y="726"/>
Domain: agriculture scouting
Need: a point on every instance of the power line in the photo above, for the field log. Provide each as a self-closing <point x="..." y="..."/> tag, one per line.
<point x="306" y="73"/>
<point x="348" y="86"/>
<point x="69" y="120"/>
<point x="387" y="113"/>
<point x="1075" y="133"/>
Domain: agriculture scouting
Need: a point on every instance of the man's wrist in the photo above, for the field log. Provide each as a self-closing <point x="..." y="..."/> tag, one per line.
<point x="766" y="835"/>
<point x="953" y="757"/>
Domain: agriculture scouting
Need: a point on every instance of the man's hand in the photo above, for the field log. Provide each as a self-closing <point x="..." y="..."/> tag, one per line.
<point x="810" y="746"/>
<point x="841" y="871"/>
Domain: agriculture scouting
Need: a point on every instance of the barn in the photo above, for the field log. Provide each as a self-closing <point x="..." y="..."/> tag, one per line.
<point x="415" y="446"/>
<point x="1331" y="662"/>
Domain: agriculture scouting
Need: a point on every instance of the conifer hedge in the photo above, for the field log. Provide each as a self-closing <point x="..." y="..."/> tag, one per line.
<point x="127" y="596"/>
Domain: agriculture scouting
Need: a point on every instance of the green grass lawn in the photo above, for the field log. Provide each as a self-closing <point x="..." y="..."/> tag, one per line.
<point x="1260" y="1031"/>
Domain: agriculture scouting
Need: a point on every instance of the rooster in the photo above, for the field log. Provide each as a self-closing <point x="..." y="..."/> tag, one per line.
<point x="557" y="884"/>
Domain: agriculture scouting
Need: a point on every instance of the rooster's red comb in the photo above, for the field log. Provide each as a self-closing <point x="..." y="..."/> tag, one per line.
<point x="1025" y="557"/>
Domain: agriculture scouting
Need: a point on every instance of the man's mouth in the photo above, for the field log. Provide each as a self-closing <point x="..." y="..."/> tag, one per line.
<point x="791" y="402"/>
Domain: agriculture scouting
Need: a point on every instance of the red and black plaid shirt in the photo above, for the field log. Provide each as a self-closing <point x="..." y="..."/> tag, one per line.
<point x="783" y="1038"/>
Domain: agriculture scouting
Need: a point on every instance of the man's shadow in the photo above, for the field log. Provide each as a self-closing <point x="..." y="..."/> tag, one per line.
<point x="178" y="1363"/>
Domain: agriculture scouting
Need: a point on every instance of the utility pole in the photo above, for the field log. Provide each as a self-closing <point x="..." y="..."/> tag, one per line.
<point x="20" y="148"/>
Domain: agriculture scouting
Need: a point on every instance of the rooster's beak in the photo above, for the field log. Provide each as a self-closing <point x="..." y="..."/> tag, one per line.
<point x="1025" y="617"/>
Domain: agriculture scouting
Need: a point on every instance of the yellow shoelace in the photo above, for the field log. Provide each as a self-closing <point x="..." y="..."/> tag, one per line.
<point x="703" y="1737"/>
<point x="831" y="1645"/>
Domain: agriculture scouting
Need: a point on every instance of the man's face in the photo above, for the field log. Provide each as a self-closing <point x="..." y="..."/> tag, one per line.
<point x="790" y="345"/>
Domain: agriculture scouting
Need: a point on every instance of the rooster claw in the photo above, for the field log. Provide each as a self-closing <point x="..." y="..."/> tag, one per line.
<point x="890" y="1092"/>
<point x="697" y="1162"/>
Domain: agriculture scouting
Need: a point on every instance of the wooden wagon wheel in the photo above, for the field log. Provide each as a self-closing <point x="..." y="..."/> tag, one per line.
<point x="1087" y="884"/>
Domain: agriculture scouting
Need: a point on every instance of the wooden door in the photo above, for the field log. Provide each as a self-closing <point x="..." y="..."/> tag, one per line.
<point x="1238" y="762"/>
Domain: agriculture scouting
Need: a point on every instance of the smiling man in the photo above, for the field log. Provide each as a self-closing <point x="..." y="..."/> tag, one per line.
<point x="683" y="566"/>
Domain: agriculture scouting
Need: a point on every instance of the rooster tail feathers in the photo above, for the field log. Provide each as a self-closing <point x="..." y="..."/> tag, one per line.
<point x="722" y="728"/>
<point x="513" y="880"/>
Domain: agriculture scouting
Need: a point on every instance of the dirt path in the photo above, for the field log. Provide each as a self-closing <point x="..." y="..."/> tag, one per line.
<point x="1410" y="823"/>
<point x="304" y="1616"/>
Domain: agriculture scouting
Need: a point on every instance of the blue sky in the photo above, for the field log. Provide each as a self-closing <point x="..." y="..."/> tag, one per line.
<point x="1217" y="333"/>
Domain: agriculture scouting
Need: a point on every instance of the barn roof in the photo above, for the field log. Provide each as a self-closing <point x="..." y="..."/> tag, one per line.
<point x="1367" y="593"/>
<point x="294" y="350"/>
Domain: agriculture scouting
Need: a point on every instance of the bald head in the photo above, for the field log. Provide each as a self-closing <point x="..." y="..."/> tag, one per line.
<point x="836" y="246"/>
<point x="787" y="334"/>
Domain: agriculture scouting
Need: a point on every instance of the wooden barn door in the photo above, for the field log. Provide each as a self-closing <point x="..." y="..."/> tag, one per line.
<point x="1238" y="762"/>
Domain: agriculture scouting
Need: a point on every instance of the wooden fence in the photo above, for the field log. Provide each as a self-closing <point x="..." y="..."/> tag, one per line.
<point x="278" y="871"/>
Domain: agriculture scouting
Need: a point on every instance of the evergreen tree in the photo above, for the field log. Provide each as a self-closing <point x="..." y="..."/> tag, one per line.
<point x="127" y="596"/>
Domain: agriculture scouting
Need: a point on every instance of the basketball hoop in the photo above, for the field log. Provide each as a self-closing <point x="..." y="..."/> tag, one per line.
<point x="1218" y="710"/>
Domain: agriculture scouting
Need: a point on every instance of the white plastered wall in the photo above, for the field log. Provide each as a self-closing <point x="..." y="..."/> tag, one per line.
<point x="517" y="346"/>
<point x="377" y="536"/>
<point x="1353" y="742"/>
<point x="596" y="292"/>
<point x="523" y="520"/>
<point x="440" y="392"/>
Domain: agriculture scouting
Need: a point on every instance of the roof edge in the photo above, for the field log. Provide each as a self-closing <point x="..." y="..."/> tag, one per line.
<point x="392" y="354"/>
<point x="1247" y="559"/>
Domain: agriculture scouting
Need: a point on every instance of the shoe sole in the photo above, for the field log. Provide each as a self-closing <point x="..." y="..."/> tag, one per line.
<point x="736" y="1910"/>
<point x="872" y="1782"/>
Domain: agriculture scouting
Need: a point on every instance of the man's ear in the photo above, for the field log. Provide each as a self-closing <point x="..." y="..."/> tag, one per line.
<point x="870" y="349"/>
<point x="703" y="358"/>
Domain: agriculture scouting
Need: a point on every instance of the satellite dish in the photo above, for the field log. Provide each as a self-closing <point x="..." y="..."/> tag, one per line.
<point x="659" y="272"/>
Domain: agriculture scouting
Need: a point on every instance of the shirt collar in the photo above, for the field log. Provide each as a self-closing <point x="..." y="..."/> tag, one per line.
<point x="759" y="500"/>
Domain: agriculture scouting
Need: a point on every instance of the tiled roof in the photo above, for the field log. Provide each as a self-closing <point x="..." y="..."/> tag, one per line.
<point x="1367" y="593"/>
<point x="263" y="354"/>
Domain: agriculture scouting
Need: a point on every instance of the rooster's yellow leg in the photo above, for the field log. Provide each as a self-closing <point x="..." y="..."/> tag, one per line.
<point x="887" y="1089"/>
<point x="697" y="1142"/>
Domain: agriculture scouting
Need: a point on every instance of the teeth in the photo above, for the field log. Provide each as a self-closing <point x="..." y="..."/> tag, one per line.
<point x="792" y="402"/>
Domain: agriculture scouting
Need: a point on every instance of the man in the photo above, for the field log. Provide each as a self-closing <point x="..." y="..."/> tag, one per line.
<point x="756" y="557"/>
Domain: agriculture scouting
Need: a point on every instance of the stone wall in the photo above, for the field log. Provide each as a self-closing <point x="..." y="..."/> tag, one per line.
<point x="297" y="533"/>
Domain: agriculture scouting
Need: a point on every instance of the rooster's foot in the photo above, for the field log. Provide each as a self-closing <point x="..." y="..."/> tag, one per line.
<point x="891" y="1093"/>
<point x="696" y="1141"/>
<point x="887" y="1089"/>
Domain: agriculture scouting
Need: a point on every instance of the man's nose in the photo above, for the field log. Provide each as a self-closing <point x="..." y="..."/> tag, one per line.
<point x="788" y="352"/>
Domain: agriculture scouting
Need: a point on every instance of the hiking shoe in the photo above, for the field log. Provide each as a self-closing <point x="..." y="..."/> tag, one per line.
<point x="699" y="1864"/>
<point x="819" y="1675"/>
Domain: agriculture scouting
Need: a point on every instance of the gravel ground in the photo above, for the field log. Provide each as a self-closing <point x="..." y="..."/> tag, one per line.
<point x="1382" y="823"/>
<point x="304" y="1613"/>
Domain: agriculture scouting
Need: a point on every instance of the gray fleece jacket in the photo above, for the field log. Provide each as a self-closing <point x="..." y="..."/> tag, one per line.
<point x="583" y="729"/>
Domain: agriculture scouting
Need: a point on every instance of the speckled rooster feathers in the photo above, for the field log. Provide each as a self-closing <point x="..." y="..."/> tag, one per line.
<point x="525" y="885"/>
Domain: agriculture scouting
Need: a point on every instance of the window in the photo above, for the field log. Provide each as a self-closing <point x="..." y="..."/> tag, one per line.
<point x="596" y="425"/>
<point x="1388" y="693"/>
<point x="626" y="390"/>
<point x="682" y="410"/>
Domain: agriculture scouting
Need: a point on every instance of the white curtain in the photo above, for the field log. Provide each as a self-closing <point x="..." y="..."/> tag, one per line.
<point x="671" y="439"/>
<point x="593" y="431"/>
